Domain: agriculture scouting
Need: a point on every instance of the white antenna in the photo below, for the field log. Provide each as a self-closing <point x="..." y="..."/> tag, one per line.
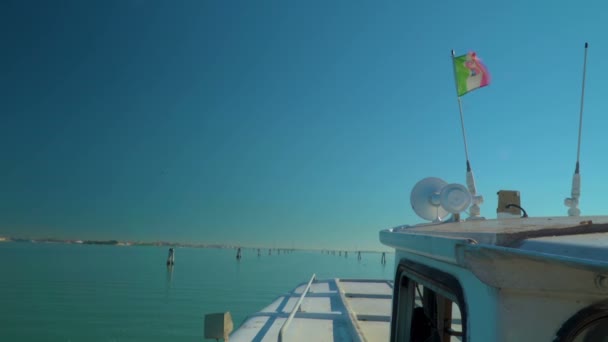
<point x="572" y="202"/>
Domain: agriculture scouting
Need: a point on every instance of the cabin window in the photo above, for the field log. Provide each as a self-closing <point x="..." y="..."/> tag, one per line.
<point x="427" y="307"/>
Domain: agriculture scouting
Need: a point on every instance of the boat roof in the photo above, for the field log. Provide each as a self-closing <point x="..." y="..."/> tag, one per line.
<point x="590" y="246"/>
<point x="511" y="232"/>
<point x="577" y="237"/>
<point x="332" y="310"/>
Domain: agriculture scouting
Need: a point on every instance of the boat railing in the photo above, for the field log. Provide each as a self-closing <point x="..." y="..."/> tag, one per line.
<point x="296" y="308"/>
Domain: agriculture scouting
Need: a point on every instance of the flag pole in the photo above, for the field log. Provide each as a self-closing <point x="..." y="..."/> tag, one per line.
<point x="572" y="202"/>
<point x="474" y="210"/>
<point x="464" y="133"/>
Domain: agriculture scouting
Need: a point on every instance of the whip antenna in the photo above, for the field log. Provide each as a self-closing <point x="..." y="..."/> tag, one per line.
<point x="572" y="202"/>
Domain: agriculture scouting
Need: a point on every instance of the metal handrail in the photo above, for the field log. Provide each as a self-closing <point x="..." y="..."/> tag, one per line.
<point x="296" y="308"/>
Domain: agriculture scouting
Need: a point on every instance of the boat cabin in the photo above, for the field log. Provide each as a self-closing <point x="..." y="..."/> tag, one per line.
<point x="517" y="279"/>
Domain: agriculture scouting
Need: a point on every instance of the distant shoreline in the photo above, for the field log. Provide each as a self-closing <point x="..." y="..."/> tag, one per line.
<point x="175" y="244"/>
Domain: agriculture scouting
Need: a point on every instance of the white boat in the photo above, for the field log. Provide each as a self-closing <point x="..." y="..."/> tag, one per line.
<point x="504" y="279"/>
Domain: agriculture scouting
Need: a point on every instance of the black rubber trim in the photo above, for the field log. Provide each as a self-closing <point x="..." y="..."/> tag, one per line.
<point x="581" y="320"/>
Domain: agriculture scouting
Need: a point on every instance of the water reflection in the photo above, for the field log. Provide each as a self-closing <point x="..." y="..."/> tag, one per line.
<point x="169" y="282"/>
<point x="238" y="266"/>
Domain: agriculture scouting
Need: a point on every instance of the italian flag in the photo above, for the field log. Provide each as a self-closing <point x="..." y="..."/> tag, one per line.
<point x="470" y="73"/>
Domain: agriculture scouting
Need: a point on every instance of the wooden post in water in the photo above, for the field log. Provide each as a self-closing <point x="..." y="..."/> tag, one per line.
<point x="171" y="257"/>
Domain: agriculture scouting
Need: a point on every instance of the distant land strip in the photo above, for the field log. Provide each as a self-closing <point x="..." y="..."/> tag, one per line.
<point x="173" y="244"/>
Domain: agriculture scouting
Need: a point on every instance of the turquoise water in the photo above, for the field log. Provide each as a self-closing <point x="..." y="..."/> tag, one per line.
<point x="60" y="292"/>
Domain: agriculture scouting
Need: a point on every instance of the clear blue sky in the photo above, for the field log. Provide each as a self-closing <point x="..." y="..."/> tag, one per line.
<point x="286" y="123"/>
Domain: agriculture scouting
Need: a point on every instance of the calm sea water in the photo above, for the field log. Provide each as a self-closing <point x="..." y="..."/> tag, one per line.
<point x="59" y="292"/>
